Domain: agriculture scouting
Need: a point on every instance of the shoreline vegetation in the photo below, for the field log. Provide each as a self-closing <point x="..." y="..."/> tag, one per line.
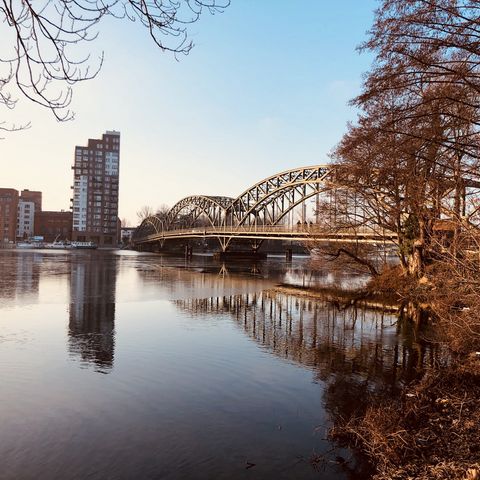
<point x="409" y="165"/>
<point x="431" y="430"/>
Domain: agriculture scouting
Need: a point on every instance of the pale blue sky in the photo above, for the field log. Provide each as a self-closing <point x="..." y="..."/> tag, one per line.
<point x="264" y="89"/>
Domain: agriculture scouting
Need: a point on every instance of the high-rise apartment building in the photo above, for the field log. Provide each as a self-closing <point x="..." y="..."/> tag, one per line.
<point x="95" y="190"/>
<point x="8" y="214"/>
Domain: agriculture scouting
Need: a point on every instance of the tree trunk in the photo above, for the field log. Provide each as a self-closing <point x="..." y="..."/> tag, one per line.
<point x="416" y="261"/>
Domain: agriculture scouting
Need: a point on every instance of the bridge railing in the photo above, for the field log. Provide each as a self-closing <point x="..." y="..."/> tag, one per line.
<point x="303" y="230"/>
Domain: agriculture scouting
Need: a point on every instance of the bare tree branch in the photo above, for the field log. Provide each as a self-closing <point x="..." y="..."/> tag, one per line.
<point x="43" y="54"/>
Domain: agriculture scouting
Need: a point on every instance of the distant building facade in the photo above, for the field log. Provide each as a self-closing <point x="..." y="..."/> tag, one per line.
<point x="126" y="235"/>
<point x="29" y="203"/>
<point x="25" y="219"/>
<point x="95" y="190"/>
<point x="32" y="196"/>
<point x="53" y="225"/>
<point x="8" y="214"/>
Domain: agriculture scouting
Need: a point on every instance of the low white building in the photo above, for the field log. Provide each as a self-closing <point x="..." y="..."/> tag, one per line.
<point x="25" y="219"/>
<point x="126" y="235"/>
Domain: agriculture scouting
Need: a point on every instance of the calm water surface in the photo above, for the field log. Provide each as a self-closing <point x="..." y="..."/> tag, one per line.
<point x="132" y="366"/>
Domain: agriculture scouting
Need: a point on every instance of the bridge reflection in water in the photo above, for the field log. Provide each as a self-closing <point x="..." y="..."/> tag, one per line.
<point x="353" y="350"/>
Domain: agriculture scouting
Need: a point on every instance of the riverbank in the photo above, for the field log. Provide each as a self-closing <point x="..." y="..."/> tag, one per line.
<point x="432" y="429"/>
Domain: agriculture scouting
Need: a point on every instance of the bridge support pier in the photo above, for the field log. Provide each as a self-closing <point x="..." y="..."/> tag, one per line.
<point x="288" y="254"/>
<point x="188" y="251"/>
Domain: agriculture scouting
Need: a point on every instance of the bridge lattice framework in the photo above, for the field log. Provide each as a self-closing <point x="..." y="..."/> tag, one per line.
<point x="266" y="203"/>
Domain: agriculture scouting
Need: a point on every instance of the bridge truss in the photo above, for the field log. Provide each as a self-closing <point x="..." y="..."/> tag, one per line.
<point x="256" y="214"/>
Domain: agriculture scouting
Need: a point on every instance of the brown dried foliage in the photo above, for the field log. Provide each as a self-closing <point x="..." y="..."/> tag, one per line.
<point x="412" y="162"/>
<point x="431" y="432"/>
<point x="412" y="156"/>
<point x="455" y="300"/>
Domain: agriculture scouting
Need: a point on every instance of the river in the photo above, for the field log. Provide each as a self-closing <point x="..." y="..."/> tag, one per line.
<point x="119" y="365"/>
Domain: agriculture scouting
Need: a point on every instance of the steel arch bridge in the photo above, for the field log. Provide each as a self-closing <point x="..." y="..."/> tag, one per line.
<point x="256" y="214"/>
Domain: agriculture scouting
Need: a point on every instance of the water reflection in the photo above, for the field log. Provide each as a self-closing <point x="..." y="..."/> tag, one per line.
<point x="300" y="272"/>
<point x="197" y="281"/>
<point x="91" y="327"/>
<point x="20" y="278"/>
<point x="187" y="398"/>
<point x="353" y="350"/>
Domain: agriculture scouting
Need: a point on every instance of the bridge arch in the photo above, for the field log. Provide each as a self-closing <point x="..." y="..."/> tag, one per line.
<point x="213" y="207"/>
<point x="152" y="225"/>
<point x="265" y="203"/>
<point x="275" y="196"/>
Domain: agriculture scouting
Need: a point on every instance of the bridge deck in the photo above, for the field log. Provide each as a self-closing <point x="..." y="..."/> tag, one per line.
<point x="277" y="232"/>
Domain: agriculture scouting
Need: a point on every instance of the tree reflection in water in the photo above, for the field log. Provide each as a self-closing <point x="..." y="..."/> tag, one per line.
<point x="354" y="351"/>
<point x="92" y="311"/>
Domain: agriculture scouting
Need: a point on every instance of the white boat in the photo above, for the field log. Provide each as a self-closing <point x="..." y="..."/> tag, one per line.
<point x="84" y="245"/>
<point x="29" y="245"/>
<point x="58" y="245"/>
<point x="25" y="245"/>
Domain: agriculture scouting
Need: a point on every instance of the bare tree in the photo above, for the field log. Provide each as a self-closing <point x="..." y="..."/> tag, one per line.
<point x="456" y="296"/>
<point x="412" y="163"/>
<point x="144" y="213"/>
<point x="420" y="44"/>
<point x="338" y="212"/>
<point x="43" y="43"/>
<point x="413" y="154"/>
<point x="162" y="211"/>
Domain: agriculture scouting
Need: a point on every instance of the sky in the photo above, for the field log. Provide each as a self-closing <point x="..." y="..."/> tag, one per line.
<point x="265" y="89"/>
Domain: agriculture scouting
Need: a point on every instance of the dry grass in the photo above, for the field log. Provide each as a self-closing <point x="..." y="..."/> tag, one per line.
<point x="431" y="432"/>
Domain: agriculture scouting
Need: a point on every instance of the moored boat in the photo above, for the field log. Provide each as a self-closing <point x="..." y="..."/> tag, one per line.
<point x="29" y="245"/>
<point x="58" y="245"/>
<point x="84" y="245"/>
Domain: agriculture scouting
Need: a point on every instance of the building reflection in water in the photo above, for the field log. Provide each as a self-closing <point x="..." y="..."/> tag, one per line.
<point x="92" y="311"/>
<point x="354" y="351"/>
<point x="28" y="275"/>
<point x="20" y="277"/>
